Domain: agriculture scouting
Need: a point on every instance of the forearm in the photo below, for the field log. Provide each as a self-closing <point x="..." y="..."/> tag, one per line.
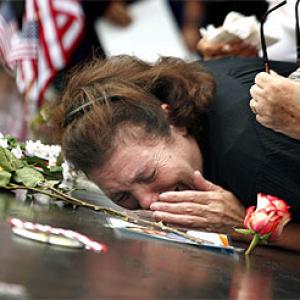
<point x="193" y="12"/>
<point x="289" y="238"/>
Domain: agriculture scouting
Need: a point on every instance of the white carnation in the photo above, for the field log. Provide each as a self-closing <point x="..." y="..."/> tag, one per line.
<point x="69" y="175"/>
<point x="3" y="142"/>
<point x="17" y="152"/>
<point x="47" y="152"/>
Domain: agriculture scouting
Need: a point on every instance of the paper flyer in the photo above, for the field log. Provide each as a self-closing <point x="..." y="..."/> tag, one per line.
<point x="211" y="240"/>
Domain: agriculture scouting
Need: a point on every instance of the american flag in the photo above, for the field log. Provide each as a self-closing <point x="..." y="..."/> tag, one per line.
<point x="51" y="30"/>
<point x="8" y="30"/>
<point x="25" y="57"/>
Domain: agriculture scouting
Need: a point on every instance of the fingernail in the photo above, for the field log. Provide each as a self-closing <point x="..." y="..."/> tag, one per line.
<point x="157" y="215"/>
<point x="227" y="47"/>
<point x="163" y="196"/>
<point x="154" y="206"/>
<point x="197" y="172"/>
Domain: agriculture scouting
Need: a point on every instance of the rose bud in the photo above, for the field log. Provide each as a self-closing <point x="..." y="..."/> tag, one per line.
<point x="269" y="217"/>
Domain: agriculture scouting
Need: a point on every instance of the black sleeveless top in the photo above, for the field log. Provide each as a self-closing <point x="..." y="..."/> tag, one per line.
<point x="239" y="154"/>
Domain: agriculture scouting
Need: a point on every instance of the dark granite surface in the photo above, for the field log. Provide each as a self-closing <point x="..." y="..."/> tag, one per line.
<point x="132" y="268"/>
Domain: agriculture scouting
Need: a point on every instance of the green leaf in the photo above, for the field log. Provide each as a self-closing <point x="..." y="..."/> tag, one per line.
<point x="8" y="161"/>
<point x="264" y="242"/>
<point x="244" y="231"/>
<point x="54" y="173"/>
<point x="265" y="236"/>
<point x="37" y="161"/>
<point x="30" y="177"/>
<point x="12" y="142"/>
<point x="4" y="178"/>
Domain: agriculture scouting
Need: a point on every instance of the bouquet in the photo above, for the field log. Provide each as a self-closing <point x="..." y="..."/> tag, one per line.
<point x="33" y="166"/>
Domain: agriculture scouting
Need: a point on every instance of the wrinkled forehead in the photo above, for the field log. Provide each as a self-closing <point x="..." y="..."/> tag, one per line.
<point x="128" y="160"/>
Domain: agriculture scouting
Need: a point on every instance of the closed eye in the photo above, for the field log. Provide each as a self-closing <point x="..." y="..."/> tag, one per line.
<point x="126" y="200"/>
<point x="120" y="197"/>
<point x="142" y="178"/>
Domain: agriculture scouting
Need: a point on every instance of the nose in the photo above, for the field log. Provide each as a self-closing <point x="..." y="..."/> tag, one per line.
<point x="145" y="196"/>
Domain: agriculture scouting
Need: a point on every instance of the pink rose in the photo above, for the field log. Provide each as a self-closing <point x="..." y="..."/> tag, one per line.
<point x="269" y="217"/>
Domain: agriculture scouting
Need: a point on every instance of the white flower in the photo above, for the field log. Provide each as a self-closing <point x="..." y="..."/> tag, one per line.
<point x="17" y="152"/>
<point x="47" y="152"/>
<point x="66" y="170"/>
<point x="3" y="141"/>
<point x="69" y="175"/>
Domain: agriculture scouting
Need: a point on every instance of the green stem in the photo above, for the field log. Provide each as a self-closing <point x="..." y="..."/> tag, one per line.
<point x="126" y="217"/>
<point x="254" y="242"/>
<point x="111" y="212"/>
<point x="37" y="190"/>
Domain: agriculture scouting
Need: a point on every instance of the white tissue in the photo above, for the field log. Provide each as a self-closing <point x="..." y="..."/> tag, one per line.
<point x="237" y="26"/>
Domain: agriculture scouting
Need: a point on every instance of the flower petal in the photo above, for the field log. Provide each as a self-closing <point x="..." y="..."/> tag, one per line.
<point x="259" y="221"/>
<point x="269" y="217"/>
<point x="262" y="201"/>
<point x="249" y="212"/>
<point x="280" y="205"/>
<point x="277" y="230"/>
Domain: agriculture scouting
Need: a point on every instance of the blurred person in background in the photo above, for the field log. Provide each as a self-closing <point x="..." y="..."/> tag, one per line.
<point x="193" y="14"/>
<point x="280" y="23"/>
<point x="275" y="99"/>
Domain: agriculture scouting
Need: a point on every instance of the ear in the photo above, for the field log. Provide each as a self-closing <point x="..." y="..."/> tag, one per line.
<point x="166" y="108"/>
<point x="180" y="130"/>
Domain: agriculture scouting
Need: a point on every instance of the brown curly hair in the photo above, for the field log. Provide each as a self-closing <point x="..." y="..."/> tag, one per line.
<point x="105" y="99"/>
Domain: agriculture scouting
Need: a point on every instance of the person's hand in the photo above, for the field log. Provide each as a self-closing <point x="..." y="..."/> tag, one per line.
<point x="117" y="14"/>
<point x="276" y="102"/>
<point x="210" y="50"/>
<point x="209" y="207"/>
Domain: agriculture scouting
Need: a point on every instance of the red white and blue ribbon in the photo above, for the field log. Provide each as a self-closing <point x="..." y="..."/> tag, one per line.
<point x="36" y="228"/>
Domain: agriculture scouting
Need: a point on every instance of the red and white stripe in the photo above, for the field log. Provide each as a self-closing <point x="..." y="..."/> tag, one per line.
<point x="27" y="66"/>
<point x="60" y="25"/>
<point x="88" y="243"/>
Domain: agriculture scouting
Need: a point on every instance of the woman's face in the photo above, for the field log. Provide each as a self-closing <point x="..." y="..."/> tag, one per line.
<point x="139" y="171"/>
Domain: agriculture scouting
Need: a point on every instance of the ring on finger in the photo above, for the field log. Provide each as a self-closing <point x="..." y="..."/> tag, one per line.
<point x="252" y="106"/>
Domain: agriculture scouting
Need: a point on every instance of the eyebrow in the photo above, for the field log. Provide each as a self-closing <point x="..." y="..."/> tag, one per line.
<point x="144" y="176"/>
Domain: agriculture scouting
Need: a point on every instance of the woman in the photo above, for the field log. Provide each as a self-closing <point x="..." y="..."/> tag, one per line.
<point x="146" y="134"/>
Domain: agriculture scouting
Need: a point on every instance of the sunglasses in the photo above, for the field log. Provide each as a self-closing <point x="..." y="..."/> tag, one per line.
<point x="297" y="32"/>
<point x="262" y="35"/>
